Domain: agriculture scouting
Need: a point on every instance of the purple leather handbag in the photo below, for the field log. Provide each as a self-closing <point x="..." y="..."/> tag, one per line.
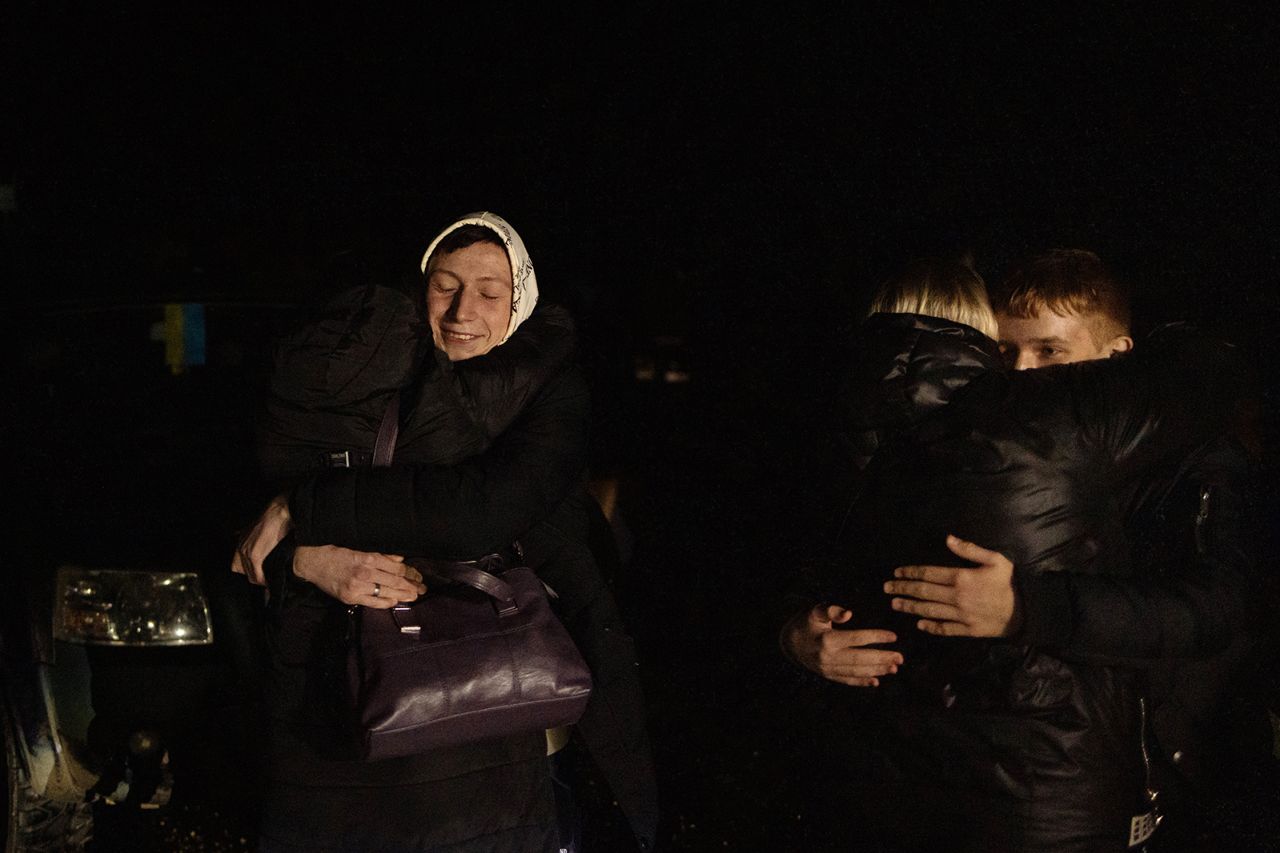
<point x="480" y="655"/>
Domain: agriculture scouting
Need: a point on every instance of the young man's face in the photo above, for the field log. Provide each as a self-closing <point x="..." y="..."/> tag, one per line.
<point x="1048" y="338"/>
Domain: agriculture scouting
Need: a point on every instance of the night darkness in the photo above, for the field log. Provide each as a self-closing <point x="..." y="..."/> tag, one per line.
<point x="685" y="156"/>
<point x="740" y="179"/>
<point x="735" y="180"/>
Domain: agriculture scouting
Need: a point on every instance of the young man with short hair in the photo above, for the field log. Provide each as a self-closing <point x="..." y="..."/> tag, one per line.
<point x="1061" y="307"/>
<point x="1185" y="614"/>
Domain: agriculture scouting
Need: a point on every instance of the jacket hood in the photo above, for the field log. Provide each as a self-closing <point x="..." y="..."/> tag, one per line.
<point x="363" y="341"/>
<point x="907" y="367"/>
<point x="524" y="282"/>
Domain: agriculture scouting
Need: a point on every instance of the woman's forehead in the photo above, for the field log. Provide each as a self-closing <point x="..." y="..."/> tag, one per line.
<point x="477" y="262"/>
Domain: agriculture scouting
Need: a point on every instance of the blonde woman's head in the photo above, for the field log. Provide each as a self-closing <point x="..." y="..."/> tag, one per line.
<point x="948" y="290"/>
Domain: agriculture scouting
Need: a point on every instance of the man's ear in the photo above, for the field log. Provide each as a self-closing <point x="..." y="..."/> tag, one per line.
<point x="1118" y="344"/>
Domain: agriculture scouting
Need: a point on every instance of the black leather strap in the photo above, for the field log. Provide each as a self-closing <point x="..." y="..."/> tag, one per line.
<point x="384" y="446"/>
<point x="473" y="575"/>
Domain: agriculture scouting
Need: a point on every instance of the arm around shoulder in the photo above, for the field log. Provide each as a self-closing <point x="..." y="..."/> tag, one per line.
<point x="457" y="511"/>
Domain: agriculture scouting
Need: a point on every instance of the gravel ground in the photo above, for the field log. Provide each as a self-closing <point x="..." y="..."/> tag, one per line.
<point x="184" y="828"/>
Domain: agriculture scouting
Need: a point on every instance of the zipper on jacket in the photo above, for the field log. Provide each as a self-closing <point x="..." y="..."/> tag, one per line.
<point x="1202" y="518"/>
<point x="1143" y="826"/>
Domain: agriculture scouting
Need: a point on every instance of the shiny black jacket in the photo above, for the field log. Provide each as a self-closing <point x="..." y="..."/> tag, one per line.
<point x="1194" y="530"/>
<point x="1031" y="464"/>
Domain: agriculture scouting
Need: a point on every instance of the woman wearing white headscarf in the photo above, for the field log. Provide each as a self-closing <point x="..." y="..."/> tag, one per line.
<point x="492" y="449"/>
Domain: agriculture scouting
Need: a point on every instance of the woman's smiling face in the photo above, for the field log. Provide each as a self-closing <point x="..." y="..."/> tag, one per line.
<point x="469" y="299"/>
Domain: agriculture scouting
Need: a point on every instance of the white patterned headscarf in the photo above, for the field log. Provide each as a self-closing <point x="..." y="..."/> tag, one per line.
<point x="524" y="283"/>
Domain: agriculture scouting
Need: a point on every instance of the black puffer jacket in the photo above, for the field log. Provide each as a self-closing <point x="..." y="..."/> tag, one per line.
<point x="1194" y="528"/>
<point x="1029" y="464"/>
<point x="474" y="499"/>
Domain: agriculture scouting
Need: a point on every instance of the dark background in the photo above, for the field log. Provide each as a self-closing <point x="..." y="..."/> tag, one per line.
<point x="739" y="180"/>
<point x="715" y="186"/>
<point x="716" y="162"/>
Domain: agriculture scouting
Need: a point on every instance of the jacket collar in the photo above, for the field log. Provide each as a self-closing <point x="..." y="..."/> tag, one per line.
<point x="908" y="367"/>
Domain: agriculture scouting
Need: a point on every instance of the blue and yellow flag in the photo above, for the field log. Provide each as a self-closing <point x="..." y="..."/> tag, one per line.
<point x="183" y="335"/>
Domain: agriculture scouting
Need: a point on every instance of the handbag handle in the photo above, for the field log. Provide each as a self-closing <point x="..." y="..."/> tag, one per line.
<point x="472" y="575"/>
<point x="469" y="573"/>
<point x="384" y="446"/>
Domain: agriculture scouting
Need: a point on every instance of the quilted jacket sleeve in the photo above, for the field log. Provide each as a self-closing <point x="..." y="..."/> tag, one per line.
<point x="1194" y="594"/>
<point x="456" y="511"/>
<point x="1168" y="396"/>
<point x="494" y="388"/>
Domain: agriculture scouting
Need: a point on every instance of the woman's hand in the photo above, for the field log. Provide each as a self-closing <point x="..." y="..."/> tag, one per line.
<point x="274" y="524"/>
<point x="358" y="577"/>
<point x="812" y="640"/>
<point x="960" y="602"/>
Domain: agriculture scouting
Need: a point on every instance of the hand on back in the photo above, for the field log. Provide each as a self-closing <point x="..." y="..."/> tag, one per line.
<point x="960" y="602"/>
<point x="271" y="527"/>
<point x="812" y="640"/>
<point x="353" y="577"/>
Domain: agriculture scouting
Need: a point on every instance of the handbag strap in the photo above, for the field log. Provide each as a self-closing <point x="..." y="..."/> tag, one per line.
<point x="470" y="574"/>
<point x="384" y="446"/>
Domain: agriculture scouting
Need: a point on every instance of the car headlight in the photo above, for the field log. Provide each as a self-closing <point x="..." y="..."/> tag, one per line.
<point x="107" y="607"/>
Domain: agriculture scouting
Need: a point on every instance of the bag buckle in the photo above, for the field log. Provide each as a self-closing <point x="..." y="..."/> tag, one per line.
<point x="404" y="610"/>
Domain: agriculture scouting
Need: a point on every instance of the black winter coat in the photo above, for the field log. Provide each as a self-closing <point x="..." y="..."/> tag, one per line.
<point x="1030" y="464"/>
<point x="1202" y="612"/>
<point x="334" y="376"/>
<point x="474" y="499"/>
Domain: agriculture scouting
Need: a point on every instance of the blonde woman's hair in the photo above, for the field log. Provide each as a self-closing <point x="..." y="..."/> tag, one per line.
<point x="949" y="290"/>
